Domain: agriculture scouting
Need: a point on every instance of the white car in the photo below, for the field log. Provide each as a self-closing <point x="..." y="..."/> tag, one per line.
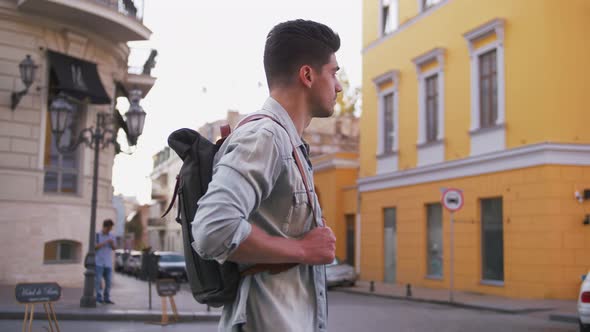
<point x="584" y="304"/>
<point x="340" y="274"/>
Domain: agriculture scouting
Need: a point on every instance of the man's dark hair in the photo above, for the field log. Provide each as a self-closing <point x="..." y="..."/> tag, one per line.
<point x="107" y="223"/>
<point x="292" y="44"/>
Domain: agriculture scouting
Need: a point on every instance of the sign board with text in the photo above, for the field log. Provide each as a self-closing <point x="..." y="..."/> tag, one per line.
<point x="167" y="287"/>
<point x="37" y="292"/>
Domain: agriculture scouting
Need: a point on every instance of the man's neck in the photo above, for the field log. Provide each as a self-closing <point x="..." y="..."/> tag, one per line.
<point x="294" y="103"/>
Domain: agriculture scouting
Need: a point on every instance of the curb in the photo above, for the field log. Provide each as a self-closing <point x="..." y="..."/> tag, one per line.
<point x="451" y="304"/>
<point x="564" y="318"/>
<point x="120" y="316"/>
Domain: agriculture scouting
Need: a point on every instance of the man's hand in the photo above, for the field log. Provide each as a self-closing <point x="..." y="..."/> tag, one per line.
<point x="319" y="246"/>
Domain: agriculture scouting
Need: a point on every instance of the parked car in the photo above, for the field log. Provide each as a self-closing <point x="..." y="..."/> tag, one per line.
<point x="133" y="263"/>
<point x="340" y="274"/>
<point x="171" y="265"/>
<point x="584" y="304"/>
<point x="119" y="259"/>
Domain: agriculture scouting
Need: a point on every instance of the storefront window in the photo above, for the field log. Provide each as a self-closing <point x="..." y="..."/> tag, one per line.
<point x="435" y="240"/>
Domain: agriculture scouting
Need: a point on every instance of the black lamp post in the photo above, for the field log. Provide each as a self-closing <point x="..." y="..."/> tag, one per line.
<point x="96" y="138"/>
<point x="27" y="70"/>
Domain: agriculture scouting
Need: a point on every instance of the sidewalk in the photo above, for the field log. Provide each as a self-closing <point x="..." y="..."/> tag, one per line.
<point x="131" y="297"/>
<point x="558" y="310"/>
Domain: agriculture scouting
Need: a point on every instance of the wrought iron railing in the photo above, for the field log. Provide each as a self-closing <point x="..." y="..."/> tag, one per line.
<point x="131" y="8"/>
<point x="141" y="61"/>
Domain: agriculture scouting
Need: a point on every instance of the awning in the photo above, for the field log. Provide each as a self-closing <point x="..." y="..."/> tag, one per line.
<point x="78" y="78"/>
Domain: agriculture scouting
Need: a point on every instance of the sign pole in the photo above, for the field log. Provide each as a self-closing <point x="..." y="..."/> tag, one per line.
<point x="452" y="262"/>
<point x="452" y="199"/>
<point x="150" y="292"/>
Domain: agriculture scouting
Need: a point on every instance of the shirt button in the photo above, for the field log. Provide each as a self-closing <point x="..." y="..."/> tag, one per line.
<point x="321" y="293"/>
<point x="321" y="326"/>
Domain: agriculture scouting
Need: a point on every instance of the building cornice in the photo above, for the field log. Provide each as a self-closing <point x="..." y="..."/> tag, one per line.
<point x="404" y="26"/>
<point x="337" y="163"/>
<point x="528" y="156"/>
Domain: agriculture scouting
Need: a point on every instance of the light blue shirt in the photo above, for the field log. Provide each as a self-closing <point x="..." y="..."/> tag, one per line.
<point x="104" y="255"/>
<point x="256" y="181"/>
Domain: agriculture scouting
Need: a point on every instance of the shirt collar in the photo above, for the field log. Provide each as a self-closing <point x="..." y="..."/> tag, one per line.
<point x="275" y="109"/>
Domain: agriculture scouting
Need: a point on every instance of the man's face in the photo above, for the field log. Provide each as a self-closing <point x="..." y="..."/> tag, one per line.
<point x="107" y="229"/>
<point x="324" y="90"/>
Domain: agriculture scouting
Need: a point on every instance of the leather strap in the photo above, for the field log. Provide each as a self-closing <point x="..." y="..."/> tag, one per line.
<point x="225" y="131"/>
<point x="176" y="187"/>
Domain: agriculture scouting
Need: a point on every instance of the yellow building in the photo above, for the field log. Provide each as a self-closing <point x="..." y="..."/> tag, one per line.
<point x="488" y="97"/>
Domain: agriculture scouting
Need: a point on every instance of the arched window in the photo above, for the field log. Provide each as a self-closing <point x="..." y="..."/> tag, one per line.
<point x="62" y="252"/>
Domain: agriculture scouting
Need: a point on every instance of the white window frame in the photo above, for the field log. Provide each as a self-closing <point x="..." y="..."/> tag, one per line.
<point x="485" y="140"/>
<point x="431" y="152"/>
<point x="394" y="18"/>
<point x="421" y="7"/>
<point x="387" y="161"/>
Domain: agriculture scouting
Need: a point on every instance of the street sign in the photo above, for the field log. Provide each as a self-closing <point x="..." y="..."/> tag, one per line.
<point x="37" y="292"/>
<point x="452" y="199"/>
<point x="167" y="287"/>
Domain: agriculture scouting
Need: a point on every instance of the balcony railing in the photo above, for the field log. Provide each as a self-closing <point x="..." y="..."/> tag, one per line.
<point x="141" y="61"/>
<point x="131" y="8"/>
<point x="156" y="222"/>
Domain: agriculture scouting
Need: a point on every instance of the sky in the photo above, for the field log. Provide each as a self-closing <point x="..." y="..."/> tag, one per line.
<point x="210" y="61"/>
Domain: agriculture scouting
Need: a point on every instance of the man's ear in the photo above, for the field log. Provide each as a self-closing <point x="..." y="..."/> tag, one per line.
<point x="306" y="75"/>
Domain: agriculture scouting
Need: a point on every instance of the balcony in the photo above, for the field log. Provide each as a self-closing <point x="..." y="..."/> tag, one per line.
<point x="117" y="20"/>
<point x="139" y="73"/>
<point x="159" y="191"/>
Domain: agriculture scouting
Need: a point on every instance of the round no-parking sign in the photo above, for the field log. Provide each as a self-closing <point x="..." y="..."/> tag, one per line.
<point x="452" y="199"/>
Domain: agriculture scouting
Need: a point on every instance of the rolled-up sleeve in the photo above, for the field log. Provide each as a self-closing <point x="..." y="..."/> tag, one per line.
<point x="243" y="177"/>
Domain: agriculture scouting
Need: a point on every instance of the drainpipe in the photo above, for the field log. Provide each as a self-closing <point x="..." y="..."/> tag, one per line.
<point x="357" y="234"/>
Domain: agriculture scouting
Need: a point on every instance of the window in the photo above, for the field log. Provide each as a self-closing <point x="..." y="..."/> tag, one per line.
<point x="434" y="247"/>
<point x="390" y="244"/>
<point x="488" y="90"/>
<point x="62" y="251"/>
<point x="431" y="108"/>
<point x="486" y="50"/>
<point x="62" y="169"/>
<point x="387" y="122"/>
<point x="430" y="72"/>
<point x="492" y="240"/>
<point x="389" y="130"/>
<point x="425" y="4"/>
<point x="389" y="16"/>
<point x="350" y="221"/>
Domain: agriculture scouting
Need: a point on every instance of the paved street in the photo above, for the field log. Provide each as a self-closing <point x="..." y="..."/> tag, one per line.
<point x="349" y="312"/>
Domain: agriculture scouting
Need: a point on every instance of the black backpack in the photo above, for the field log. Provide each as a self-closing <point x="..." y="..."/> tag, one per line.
<point x="211" y="283"/>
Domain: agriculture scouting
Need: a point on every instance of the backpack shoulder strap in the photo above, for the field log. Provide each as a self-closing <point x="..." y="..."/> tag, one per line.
<point x="255" y="117"/>
<point x="176" y="186"/>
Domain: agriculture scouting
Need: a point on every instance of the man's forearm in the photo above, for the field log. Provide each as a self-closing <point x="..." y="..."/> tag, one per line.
<point x="259" y="247"/>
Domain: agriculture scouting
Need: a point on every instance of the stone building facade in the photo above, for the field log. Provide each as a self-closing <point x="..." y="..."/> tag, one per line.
<point x="45" y="195"/>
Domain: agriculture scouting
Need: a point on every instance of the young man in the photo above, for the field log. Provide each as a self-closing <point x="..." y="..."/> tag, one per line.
<point x="256" y="209"/>
<point x="105" y="244"/>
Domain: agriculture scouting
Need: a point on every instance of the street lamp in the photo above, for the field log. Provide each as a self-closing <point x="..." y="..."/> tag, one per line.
<point x="96" y="138"/>
<point x="27" y="70"/>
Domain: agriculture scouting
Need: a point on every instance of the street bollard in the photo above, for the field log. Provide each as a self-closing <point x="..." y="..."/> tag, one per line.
<point x="408" y="290"/>
<point x="372" y="286"/>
